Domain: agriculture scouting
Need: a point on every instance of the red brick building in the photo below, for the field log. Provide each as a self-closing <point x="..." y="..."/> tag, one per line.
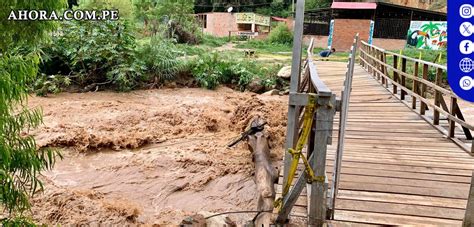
<point x="221" y="24"/>
<point x="391" y="23"/>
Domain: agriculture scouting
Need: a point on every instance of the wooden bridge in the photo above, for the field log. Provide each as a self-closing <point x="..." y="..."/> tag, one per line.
<point x="397" y="169"/>
<point x="392" y="149"/>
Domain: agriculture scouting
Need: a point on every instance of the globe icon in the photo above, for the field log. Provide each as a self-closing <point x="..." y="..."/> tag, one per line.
<point x="466" y="65"/>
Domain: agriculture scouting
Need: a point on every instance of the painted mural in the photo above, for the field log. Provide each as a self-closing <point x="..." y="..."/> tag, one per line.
<point x="252" y="18"/>
<point x="431" y="35"/>
<point x="331" y="32"/>
<point x="371" y="32"/>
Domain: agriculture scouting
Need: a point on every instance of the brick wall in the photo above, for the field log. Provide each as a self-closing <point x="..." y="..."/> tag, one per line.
<point x="346" y="29"/>
<point x="219" y="24"/>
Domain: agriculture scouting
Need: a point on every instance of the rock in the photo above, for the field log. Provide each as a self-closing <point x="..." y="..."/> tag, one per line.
<point x="272" y="92"/>
<point x="195" y="220"/>
<point x="256" y="86"/>
<point x="285" y="72"/>
<point x="217" y="221"/>
<point x="286" y="92"/>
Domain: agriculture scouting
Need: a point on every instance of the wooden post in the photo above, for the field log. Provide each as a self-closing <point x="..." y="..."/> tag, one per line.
<point x="317" y="206"/>
<point x="294" y="111"/>
<point x="374" y="63"/>
<point x="379" y="54"/>
<point x="437" y="101"/>
<point x="452" y="124"/>
<point x="385" y="69"/>
<point x="395" y="73"/>
<point x="423" y="90"/>
<point x="415" y="86"/>
<point x="404" y="69"/>
<point x="369" y="60"/>
<point x="469" y="217"/>
<point x="382" y="67"/>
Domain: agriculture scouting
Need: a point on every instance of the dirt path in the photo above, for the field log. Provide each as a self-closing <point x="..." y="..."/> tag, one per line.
<point x="151" y="157"/>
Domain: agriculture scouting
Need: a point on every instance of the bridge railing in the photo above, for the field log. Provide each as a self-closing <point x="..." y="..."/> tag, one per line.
<point x="320" y="136"/>
<point x="392" y="69"/>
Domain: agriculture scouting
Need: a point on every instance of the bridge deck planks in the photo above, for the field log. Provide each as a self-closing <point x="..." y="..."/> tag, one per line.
<point x="397" y="169"/>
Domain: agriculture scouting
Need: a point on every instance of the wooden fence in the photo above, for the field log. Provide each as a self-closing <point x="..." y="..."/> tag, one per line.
<point x="409" y="79"/>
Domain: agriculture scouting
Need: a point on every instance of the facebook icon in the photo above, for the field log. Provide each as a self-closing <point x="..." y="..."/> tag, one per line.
<point x="466" y="47"/>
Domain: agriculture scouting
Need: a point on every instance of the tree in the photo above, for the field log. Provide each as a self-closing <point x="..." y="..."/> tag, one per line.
<point x="155" y="12"/>
<point x="317" y="4"/>
<point x="20" y="161"/>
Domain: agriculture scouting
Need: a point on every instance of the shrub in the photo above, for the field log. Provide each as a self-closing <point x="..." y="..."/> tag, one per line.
<point x="125" y="7"/>
<point x="161" y="59"/>
<point x="210" y="70"/>
<point x="95" y="53"/>
<point x="281" y="34"/>
<point x="45" y="84"/>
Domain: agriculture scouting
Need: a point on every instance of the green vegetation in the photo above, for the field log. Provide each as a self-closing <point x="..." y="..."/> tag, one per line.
<point x="212" y="41"/>
<point x="161" y="59"/>
<point x="210" y="70"/>
<point x="280" y="8"/>
<point x="95" y="53"/>
<point x="317" y="4"/>
<point x="20" y="162"/>
<point x="125" y="7"/>
<point x="265" y="46"/>
<point x="281" y="34"/>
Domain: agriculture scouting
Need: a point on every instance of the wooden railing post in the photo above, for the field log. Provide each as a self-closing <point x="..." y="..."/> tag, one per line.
<point x="415" y="86"/>
<point x="382" y="67"/>
<point x="317" y="209"/>
<point x="379" y="64"/>
<point x="395" y="73"/>
<point x="404" y="69"/>
<point x="452" y="124"/>
<point x="423" y="105"/>
<point x="370" y="52"/>
<point x="469" y="217"/>
<point x="385" y="69"/>
<point x="437" y="101"/>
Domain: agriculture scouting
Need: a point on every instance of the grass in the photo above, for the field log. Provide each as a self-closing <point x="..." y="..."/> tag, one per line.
<point x="212" y="41"/>
<point x="265" y="47"/>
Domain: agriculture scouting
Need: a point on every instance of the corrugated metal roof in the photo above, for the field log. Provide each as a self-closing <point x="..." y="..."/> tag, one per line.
<point x="354" y="5"/>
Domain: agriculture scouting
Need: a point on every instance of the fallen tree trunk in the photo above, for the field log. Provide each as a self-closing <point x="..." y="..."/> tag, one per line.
<point x="265" y="176"/>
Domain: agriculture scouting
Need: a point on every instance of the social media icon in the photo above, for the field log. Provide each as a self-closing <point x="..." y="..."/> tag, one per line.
<point x="466" y="65"/>
<point x="466" y="83"/>
<point x="466" y="29"/>
<point x="466" y="47"/>
<point x="466" y="11"/>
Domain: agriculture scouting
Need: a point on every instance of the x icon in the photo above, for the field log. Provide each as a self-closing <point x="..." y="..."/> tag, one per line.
<point x="466" y="29"/>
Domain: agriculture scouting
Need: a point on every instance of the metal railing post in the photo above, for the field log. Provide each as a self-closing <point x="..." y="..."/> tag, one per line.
<point x="469" y="216"/>
<point x="294" y="111"/>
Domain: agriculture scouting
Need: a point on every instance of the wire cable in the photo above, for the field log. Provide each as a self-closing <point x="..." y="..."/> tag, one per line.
<point x="241" y="212"/>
